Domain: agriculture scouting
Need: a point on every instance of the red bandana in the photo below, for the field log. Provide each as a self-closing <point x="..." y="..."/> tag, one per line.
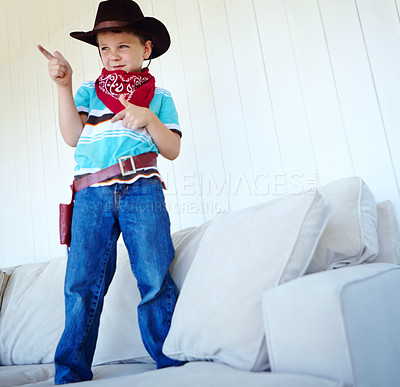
<point x="137" y="88"/>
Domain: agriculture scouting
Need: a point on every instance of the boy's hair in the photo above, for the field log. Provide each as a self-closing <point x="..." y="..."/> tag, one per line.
<point x="143" y="38"/>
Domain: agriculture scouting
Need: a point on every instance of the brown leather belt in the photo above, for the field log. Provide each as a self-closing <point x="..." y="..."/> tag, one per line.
<point x="127" y="165"/>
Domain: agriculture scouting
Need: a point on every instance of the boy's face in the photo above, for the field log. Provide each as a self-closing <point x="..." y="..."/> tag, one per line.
<point x="122" y="51"/>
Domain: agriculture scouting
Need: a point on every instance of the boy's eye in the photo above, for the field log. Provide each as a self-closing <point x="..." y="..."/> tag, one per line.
<point x="123" y="46"/>
<point x="104" y="48"/>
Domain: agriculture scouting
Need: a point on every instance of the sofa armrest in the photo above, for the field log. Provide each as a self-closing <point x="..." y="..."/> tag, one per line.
<point x="340" y="324"/>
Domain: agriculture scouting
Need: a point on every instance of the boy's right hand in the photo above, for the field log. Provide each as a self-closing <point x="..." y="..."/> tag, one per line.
<point x="60" y="70"/>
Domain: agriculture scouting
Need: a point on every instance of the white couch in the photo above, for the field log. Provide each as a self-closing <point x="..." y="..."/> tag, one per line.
<point x="299" y="291"/>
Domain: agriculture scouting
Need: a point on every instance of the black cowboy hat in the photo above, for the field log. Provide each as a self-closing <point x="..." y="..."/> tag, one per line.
<point x="127" y="15"/>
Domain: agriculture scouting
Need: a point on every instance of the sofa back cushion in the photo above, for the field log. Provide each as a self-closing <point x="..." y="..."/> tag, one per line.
<point x="3" y="283"/>
<point x="388" y="234"/>
<point x="350" y="237"/>
<point x="241" y="254"/>
<point x="32" y="317"/>
<point x="186" y="242"/>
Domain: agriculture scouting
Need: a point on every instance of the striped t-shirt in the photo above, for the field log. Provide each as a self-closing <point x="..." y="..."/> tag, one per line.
<point x="102" y="142"/>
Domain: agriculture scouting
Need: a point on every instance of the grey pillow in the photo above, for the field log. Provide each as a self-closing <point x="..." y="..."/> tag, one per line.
<point x="388" y="234"/>
<point x="3" y="284"/>
<point x="350" y="238"/>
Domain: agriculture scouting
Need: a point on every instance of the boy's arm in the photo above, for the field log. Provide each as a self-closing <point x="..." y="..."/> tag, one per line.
<point x="133" y="117"/>
<point x="70" y="121"/>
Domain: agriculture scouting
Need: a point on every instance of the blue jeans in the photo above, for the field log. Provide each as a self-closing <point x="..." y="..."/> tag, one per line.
<point x="100" y="215"/>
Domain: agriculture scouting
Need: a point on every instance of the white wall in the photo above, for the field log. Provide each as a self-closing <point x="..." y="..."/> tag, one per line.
<point x="273" y="96"/>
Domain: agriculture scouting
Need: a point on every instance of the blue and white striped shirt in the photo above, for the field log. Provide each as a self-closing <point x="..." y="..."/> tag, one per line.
<point x="102" y="142"/>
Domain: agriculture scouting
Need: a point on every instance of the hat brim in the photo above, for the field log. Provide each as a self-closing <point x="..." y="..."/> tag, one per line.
<point x="151" y="27"/>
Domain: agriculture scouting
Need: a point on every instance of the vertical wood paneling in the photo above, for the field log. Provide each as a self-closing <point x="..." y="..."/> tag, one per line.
<point x="266" y="90"/>
<point x="90" y="56"/>
<point x="202" y="106"/>
<point x="319" y="91"/>
<point x="56" y="40"/>
<point x="72" y="49"/>
<point x="72" y="52"/>
<point x="186" y="187"/>
<point x="286" y="95"/>
<point x="165" y="166"/>
<point x="37" y="188"/>
<point x="21" y="219"/>
<point x="381" y="31"/>
<point x="230" y="121"/>
<point x="254" y="93"/>
<point x="357" y="93"/>
<point x="7" y="169"/>
<point x="46" y="28"/>
<point x="398" y="7"/>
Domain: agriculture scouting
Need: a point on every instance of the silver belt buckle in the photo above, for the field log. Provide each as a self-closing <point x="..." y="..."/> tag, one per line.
<point x="121" y="166"/>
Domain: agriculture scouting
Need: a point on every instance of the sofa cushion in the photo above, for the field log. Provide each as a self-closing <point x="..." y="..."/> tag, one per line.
<point x="186" y="243"/>
<point x="388" y="234"/>
<point x="350" y="237"/>
<point x="3" y="284"/>
<point x="196" y="374"/>
<point x="119" y="334"/>
<point x="32" y="317"/>
<point x="340" y="324"/>
<point x="218" y="314"/>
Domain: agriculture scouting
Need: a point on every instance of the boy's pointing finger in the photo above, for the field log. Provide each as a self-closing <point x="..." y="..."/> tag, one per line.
<point x="59" y="56"/>
<point x="118" y="116"/>
<point x="45" y="52"/>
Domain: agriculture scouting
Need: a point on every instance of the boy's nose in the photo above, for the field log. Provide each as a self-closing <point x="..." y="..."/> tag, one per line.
<point x="114" y="55"/>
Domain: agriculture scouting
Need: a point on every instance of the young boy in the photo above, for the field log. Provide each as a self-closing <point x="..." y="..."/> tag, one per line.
<point x="122" y="121"/>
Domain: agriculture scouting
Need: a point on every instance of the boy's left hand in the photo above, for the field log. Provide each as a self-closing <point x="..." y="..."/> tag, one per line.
<point x="133" y="117"/>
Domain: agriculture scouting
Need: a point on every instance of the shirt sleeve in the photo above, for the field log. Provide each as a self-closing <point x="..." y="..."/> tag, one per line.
<point x="168" y="114"/>
<point x="82" y="98"/>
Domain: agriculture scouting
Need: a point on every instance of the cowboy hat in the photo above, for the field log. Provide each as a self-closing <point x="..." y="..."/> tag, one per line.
<point x="126" y="15"/>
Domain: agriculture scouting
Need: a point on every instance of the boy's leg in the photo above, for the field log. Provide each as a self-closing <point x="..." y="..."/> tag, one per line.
<point x="90" y="269"/>
<point x="145" y="227"/>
